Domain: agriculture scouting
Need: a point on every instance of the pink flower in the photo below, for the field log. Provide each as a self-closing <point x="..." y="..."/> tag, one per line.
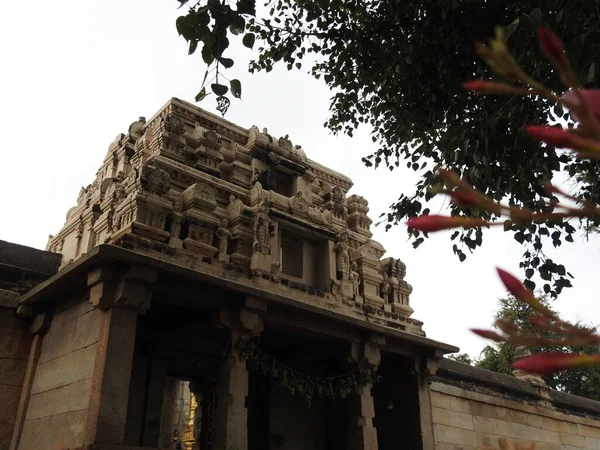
<point x="488" y="334"/>
<point x="552" y="362"/>
<point x="490" y="87"/>
<point x="515" y="287"/>
<point x="431" y="223"/>
<point x="591" y="96"/>
<point x="558" y="137"/>
<point x="551" y="45"/>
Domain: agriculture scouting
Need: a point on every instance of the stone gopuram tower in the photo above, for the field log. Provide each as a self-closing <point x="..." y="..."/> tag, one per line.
<point x="195" y="234"/>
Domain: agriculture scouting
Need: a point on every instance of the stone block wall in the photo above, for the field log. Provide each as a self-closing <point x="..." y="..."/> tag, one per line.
<point x="15" y="341"/>
<point x="60" y="394"/>
<point x="467" y="415"/>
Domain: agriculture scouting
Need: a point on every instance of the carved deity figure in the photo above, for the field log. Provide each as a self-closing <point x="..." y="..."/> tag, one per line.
<point x="384" y="288"/>
<point x="355" y="277"/>
<point x="235" y="207"/>
<point x="223" y="234"/>
<point x="262" y="230"/>
<point x="285" y="143"/>
<point x="342" y="257"/>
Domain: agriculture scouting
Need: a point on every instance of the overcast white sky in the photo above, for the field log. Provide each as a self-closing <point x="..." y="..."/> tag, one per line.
<point x="74" y="74"/>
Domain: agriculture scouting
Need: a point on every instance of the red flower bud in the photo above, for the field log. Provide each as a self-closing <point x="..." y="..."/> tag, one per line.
<point x="591" y="96"/>
<point x="551" y="45"/>
<point x="464" y="197"/>
<point x="559" y="138"/>
<point x="489" y="87"/>
<point x="516" y="288"/>
<point x="552" y="362"/>
<point x="431" y="223"/>
<point x="488" y="334"/>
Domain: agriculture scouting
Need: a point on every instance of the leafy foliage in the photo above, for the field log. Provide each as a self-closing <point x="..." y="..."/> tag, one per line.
<point x="308" y="386"/>
<point x="499" y="358"/>
<point x="397" y="67"/>
<point x="463" y="358"/>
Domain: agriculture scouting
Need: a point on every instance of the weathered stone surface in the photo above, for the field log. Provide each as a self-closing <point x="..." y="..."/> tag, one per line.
<point x="73" y="397"/>
<point x="452" y="418"/>
<point x="64" y="370"/>
<point x="57" y="432"/>
<point x="450" y="435"/>
<point x="9" y="319"/>
<point x="6" y="430"/>
<point x="66" y="336"/>
<point x="9" y="401"/>
<point x="14" y="343"/>
<point x="12" y="371"/>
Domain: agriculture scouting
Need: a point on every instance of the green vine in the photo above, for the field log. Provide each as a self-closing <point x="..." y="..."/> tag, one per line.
<point x="308" y="386"/>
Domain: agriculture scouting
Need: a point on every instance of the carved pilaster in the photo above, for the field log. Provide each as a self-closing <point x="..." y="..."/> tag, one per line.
<point x="362" y="434"/>
<point x="231" y="419"/>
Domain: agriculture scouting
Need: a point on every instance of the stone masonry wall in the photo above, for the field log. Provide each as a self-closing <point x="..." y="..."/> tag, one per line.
<point x="15" y="341"/>
<point x="467" y="419"/>
<point x="60" y="394"/>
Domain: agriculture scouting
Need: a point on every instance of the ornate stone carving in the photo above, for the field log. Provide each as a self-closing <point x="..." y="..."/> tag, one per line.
<point x="400" y="269"/>
<point x="342" y="257"/>
<point x="135" y="129"/>
<point x="299" y="205"/>
<point x="384" y="288"/>
<point x="200" y="195"/>
<point x="223" y="236"/>
<point x="285" y="143"/>
<point x="155" y="180"/>
<point x="358" y="220"/>
<point x="355" y="278"/>
<point x="235" y="207"/>
<point x="263" y="230"/>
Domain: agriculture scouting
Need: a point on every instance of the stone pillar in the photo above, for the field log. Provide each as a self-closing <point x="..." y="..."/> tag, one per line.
<point x="362" y="434"/>
<point x="231" y="416"/>
<point x="121" y="297"/>
<point x="38" y="328"/>
<point x="426" y="367"/>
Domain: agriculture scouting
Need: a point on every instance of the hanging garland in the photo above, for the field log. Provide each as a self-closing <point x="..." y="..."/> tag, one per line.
<point x="299" y="383"/>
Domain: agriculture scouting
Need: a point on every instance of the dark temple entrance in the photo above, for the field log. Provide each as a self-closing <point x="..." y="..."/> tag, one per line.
<point x="396" y="399"/>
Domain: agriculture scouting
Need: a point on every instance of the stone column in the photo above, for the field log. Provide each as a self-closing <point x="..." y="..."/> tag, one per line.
<point x="39" y="327"/>
<point x="121" y="297"/>
<point x="231" y="416"/>
<point x="362" y="434"/>
<point x="425" y="367"/>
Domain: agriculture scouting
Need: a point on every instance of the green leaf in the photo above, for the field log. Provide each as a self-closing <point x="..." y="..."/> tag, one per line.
<point x="246" y="7"/>
<point x="536" y="16"/>
<point x="219" y="89"/>
<point x="512" y="27"/>
<point x="236" y="88"/>
<point x="182" y="25"/>
<point x="249" y="39"/>
<point x="237" y="26"/>
<point x="226" y="62"/>
<point x="207" y="55"/>
<point x="193" y="47"/>
<point x="201" y="95"/>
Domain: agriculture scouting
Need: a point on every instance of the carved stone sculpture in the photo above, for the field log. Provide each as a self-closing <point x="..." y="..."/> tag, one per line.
<point x="135" y="129"/>
<point x="262" y="230"/>
<point x="384" y="288"/>
<point x="342" y="257"/>
<point x="235" y="207"/>
<point x="285" y="143"/>
<point x="155" y="180"/>
<point x="223" y="235"/>
<point x="355" y="278"/>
